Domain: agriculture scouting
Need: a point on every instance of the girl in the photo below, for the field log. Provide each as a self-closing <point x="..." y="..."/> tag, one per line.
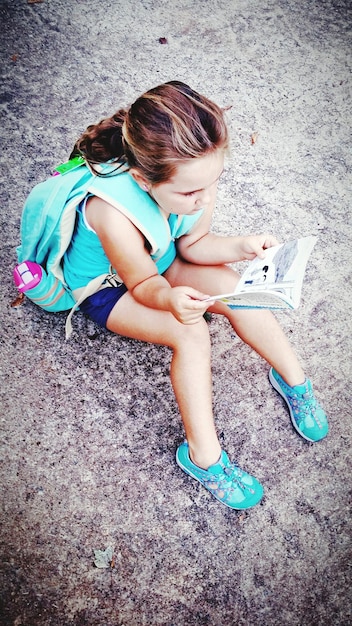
<point x="173" y="141"/>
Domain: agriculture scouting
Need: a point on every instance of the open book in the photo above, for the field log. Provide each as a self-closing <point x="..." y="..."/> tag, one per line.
<point x="274" y="282"/>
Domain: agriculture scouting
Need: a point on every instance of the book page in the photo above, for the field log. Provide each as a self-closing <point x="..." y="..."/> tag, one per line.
<point x="255" y="300"/>
<point x="276" y="281"/>
<point x="282" y="270"/>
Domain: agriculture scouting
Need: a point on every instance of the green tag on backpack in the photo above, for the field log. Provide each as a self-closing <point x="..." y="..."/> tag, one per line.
<point x="72" y="164"/>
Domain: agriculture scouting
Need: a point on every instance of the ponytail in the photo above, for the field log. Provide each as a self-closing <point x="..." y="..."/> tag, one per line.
<point x="102" y="142"/>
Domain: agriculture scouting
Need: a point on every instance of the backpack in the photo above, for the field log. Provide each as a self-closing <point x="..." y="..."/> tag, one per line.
<point x="47" y="224"/>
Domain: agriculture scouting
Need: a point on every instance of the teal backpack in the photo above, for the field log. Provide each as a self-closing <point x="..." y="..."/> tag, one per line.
<point x="48" y="222"/>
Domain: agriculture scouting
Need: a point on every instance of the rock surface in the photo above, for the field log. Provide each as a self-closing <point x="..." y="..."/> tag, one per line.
<point x="90" y="426"/>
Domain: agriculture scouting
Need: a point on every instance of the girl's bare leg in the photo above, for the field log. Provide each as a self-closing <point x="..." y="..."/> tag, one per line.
<point x="258" y="328"/>
<point x="190" y="366"/>
<point x="261" y="331"/>
<point x="190" y="369"/>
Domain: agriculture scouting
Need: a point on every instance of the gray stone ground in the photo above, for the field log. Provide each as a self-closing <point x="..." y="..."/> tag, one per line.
<point x="90" y="426"/>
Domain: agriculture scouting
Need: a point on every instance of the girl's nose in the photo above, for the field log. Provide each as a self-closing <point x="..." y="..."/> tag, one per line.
<point x="203" y="198"/>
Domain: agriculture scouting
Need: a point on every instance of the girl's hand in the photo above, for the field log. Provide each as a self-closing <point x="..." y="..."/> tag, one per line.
<point x="185" y="303"/>
<point x="255" y="245"/>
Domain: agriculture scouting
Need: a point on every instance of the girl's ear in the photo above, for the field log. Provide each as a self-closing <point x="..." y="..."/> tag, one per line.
<point x="140" y="179"/>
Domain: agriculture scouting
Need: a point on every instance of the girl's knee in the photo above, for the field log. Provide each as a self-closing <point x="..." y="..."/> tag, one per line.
<point x="193" y="337"/>
<point x="228" y="279"/>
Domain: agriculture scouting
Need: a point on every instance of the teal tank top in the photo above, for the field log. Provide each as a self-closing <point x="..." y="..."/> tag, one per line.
<point x="85" y="257"/>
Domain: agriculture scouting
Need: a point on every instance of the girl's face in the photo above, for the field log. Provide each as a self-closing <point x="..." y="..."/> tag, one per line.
<point x="193" y="187"/>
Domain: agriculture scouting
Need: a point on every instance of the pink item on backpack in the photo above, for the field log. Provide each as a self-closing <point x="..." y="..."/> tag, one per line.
<point x="27" y="275"/>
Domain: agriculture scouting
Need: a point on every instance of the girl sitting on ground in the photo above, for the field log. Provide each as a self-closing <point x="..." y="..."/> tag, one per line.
<point x="173" y="142"/>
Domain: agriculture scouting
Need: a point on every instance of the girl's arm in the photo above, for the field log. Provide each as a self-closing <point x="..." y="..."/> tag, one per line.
<point x="205" y="248"/>
<point x="125" y="248"/>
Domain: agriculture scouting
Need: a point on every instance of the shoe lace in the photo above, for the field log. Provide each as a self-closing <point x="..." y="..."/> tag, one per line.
<point x="225" y="482"/>
<point x="304" y="405"/>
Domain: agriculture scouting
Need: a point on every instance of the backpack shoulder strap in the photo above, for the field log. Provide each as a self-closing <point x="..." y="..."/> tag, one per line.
<point x="124" y="194"/>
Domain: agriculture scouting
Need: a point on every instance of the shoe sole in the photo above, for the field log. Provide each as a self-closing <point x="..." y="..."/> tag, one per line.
<point x="234" y="508"/>
<point x="277" y="387"/>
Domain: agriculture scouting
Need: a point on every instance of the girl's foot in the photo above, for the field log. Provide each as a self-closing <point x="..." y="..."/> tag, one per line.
<point x="307" y="416"/>
<point x="225" y="480"/>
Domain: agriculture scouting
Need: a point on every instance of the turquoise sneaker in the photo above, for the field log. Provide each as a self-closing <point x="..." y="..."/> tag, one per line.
<point x="225" y="480"/>
<point x="307" y="416"/>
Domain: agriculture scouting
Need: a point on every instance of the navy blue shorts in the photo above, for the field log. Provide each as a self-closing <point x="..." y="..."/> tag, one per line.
<point x="99" y="306"/>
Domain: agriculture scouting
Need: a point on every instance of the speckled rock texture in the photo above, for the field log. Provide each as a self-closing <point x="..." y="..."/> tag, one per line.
<point x="90" y="425"/>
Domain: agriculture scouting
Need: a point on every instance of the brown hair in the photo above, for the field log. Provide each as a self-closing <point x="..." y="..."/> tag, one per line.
<point x="166" y="125"/>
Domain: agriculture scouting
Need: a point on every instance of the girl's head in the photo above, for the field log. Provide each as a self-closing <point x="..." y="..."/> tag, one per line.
<point x="168" y="125"/>
<point x="163" y="130"/>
